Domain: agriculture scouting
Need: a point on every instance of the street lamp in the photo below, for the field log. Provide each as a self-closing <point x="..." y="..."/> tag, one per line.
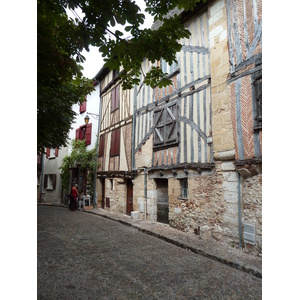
<point x="86" y="119"/>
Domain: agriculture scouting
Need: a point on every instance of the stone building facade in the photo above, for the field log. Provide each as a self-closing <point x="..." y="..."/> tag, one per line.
<point x="195" y="145"/>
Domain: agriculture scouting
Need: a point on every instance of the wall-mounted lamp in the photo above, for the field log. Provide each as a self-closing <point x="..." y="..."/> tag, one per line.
<point x="86" y="119"/>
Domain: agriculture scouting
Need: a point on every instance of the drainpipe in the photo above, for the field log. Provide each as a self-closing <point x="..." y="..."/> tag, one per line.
<point x="133" y="152"/>
<point x="145" y="194"/>
<point x="42" y="176"/>
<point x="133" y="130"/>
<point x="240" y="210"/>
<point x="96" y="156"/>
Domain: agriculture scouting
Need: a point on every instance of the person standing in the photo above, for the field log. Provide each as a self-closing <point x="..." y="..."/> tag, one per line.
<point x="74" y="195"/>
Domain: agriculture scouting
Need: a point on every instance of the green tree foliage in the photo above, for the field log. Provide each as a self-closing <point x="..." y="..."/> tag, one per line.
<point x="79" y="156"/>
<point x="60" y="41"/>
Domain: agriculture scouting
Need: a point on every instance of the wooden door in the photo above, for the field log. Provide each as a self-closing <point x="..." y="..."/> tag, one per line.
<point x="129" y="206"/>
<point x="162" y="201"/>
<point x="103" y="193"/>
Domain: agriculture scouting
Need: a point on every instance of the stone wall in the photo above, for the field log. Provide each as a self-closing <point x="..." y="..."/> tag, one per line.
<point x="252" y="209"/>
<point x="211" y="208"/>
<point x="116" y="191"/>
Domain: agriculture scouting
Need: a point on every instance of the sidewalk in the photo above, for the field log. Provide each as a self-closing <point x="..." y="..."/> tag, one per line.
<point x="214" y="250"/>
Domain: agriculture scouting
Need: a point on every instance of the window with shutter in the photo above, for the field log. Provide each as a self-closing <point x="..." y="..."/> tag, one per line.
<point x="165" y="126"/>
<point x="257" y="82"/>
<point x="52" y="153"/>
<point x="101" y="145"/>
<point x="115" y="97"/>
<point x="115" y="143"/>
<point x="82" y="107"/>
<point x="84" y="132"/>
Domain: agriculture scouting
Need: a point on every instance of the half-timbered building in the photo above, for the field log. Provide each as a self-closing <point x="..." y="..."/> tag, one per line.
<point x="189" y="154"/>
<point x="114" y="185"/>
<point x="194" y="140"/>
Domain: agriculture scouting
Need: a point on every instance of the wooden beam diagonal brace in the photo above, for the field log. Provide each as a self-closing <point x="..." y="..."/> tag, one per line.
<point x="194" y="126"/>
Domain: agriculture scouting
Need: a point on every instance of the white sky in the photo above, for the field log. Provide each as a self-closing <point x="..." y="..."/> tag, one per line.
<point x="94" y="60"/>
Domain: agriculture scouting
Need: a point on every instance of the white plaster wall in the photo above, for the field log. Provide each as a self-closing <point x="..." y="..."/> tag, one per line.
<point x="92" y="106"/>
<point x="51" y="166"/>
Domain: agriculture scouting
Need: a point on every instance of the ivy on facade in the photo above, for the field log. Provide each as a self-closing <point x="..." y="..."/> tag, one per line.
<point x="82" y="157"/>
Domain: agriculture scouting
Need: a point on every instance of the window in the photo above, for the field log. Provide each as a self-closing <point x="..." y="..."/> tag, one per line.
<point x="101" y="145"/>
<point x="115" y="73"/>
<point x="84" y="132"/>
<point x="51" y="153"/>
<point x="115" y="97"/>
<point x="111" y="184"/>
<point x="257" y="111"/>
<point x="82" y="107"/>
<point x="115" y="143"/>
<point x="165" y="126"/>
<point x="184" y="188"/>
<point x="50" y="181"/>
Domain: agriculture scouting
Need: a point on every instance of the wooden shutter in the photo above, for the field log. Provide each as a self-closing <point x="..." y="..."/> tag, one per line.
<point x="82" y="107"/>
<point x="48" y="152"/>
<point x="77" y="134"/>
<point x="45" y="181"/>
<point x="117" y="97"/>
<point x="171" y="124"/>
<point x="158" y="127"/>
<point x="115" y="143"/>
<point x="54" y="181"/>
<point x="56" y="152"/>
<point x="165" y="126"/>
<point x="88" y="134"/>
<point x="101" y="145"/>
<point x="113" y="99"/>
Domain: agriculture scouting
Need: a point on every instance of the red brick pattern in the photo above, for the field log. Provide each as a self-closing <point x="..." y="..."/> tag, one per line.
<point x="247" y="117"/>
<point x="240" y="20"/>
<point x="233" y="118"/>
<point x="168" y="157"/>
<point x="250" y="24"/>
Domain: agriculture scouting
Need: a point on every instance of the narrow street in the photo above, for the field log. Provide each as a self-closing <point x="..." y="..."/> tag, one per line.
<point x="84" y="256"/>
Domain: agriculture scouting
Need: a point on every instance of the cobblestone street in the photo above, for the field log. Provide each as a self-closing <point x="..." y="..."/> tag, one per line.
<point x="85" y="256"/>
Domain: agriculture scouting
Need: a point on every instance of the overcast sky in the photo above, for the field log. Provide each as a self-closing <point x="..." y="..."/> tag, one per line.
<point x="94" y="61"/>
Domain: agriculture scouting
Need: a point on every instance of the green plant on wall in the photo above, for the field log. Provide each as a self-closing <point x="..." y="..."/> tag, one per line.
<point x="79" y="156"/>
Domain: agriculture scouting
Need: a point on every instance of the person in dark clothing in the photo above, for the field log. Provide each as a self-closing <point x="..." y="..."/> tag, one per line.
<point x="74" y="195"/>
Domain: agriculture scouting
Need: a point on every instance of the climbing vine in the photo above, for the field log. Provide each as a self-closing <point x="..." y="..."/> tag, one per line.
<point x="79" y="156"/>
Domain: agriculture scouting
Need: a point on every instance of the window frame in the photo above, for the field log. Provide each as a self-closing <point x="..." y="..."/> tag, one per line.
<point x="50" y="182"/>
<point x="184" y="188"/>
<point x="257" y="99"/>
